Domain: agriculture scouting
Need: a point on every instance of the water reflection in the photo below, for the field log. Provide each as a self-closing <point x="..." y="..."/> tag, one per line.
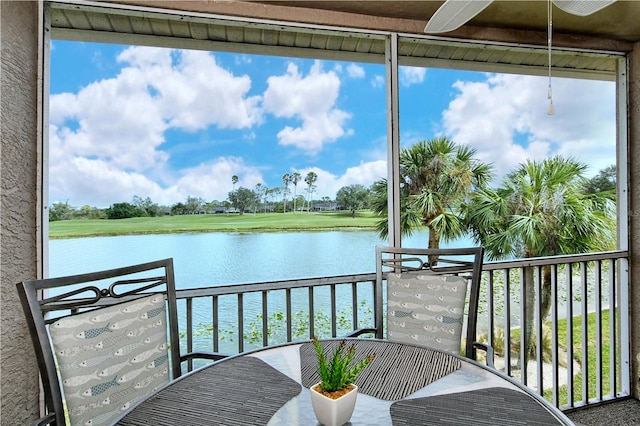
<point x="211" y="259"/>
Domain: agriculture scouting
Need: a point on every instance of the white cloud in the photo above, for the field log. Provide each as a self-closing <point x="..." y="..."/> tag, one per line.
<point x="355" y="71"/>
<point x="364" y="173"/>
<point x="311" y="100"/>
<point x="378" y="81"/>
<point x="329" y="183"/>
<point x="196" y="92"/>
<point x="212" y="180"/>
<point x="505" y="119"/>
<point x="242" y="59"/>
<point x="106" y="140"/>
<point x="411" y="75"/>
<point x="98" y="183"/>
<point x="115" y="120"/>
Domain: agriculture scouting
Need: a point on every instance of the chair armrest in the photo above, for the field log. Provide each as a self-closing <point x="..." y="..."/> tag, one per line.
<point x="203" y="355"/>
<point x="488" y="350"/>
<point x="362" y="331"/>
<point x="46" y="420"/>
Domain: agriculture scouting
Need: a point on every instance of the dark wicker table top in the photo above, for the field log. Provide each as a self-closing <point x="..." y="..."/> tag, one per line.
<point x="246" y="391"/>
<point x="490" y="407"/>
<point x="271" y="387"/>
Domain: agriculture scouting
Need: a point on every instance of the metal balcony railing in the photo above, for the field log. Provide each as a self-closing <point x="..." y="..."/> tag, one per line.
<point x="578" y="352"/>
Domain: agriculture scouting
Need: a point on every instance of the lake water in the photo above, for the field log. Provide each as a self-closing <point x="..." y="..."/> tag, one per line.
<point x="212" y="259"/>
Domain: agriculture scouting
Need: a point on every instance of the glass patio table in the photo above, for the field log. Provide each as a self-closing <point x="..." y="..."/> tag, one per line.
<point x="403" y="385"/>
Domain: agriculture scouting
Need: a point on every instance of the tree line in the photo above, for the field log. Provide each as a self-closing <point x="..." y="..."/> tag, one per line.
<point x="241" y="200"/>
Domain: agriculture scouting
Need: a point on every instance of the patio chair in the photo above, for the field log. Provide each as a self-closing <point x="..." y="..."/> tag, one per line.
<point x="427" y="299"/>
<point x="104" y="340"/>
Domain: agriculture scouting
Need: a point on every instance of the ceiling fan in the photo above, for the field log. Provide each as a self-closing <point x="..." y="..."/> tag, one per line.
<point x="455" y="13"/>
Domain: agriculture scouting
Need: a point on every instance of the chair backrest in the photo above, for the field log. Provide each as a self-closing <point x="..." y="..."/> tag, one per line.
<point x="427" y="293"/>
<point x="103" y="339"/>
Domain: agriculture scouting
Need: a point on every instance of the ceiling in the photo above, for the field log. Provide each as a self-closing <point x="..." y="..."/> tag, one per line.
<point x="137" y="24"/>
<point x="619" y="21"/>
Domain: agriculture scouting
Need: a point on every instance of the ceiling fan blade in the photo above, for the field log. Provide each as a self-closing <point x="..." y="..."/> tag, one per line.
<point x="453" y="14"/>
<point x="582" y="7"/>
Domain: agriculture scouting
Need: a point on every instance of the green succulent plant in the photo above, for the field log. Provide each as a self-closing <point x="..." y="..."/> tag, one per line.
<point x="336" y="372"/>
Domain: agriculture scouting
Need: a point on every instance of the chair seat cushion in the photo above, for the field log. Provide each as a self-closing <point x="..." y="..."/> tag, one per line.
<point x="108" y="358"/>
<point x="426" y="309"/>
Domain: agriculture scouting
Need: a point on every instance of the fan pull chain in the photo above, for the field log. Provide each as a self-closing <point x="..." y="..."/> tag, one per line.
<point x="551" y="109"/>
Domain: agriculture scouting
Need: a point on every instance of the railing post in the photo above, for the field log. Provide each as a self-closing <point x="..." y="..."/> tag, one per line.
<point x="539" y="331"/>
<point x="554" y="339"/>
<point x="265" y="319"/>
<point x="507" y="320"/>
<point x="569" y="316"/>
<point x="585" y="332"/>
<point x="598" y="307"/>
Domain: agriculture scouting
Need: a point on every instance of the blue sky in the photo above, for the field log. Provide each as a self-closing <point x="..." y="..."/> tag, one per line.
<point x="168" y="124"/>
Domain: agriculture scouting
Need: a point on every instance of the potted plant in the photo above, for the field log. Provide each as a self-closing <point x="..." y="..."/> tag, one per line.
<point x="334" y="397"/>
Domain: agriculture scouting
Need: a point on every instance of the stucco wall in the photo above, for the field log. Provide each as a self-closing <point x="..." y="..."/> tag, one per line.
<point x="18" y="171"/>
<point x="634" y="205"/>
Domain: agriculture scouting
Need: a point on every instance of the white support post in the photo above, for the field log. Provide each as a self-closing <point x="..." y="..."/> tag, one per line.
<point x="393" y="141"/>
<point x="622" y="199"/>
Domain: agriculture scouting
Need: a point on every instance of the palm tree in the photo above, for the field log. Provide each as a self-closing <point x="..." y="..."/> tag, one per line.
<point x="295" y="178"/>
<point x="542" y="209"/>
<point x="310" y="179"/>
<point x="258" y="190"/>
<point x="275" y="196"/>
<point x="286" y="180"/>
<point x="437" y="178"/>
<point x="409" y="219"/>
<point x="234" y="180"/>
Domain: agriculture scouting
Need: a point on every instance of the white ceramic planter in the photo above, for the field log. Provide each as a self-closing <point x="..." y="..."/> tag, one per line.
<point x="333" y="412"/>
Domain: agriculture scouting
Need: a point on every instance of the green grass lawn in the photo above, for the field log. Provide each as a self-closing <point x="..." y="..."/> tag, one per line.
<point x="589" y="365"/>
<point x="590" y="362"/>
<point x="263" y="222"/>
